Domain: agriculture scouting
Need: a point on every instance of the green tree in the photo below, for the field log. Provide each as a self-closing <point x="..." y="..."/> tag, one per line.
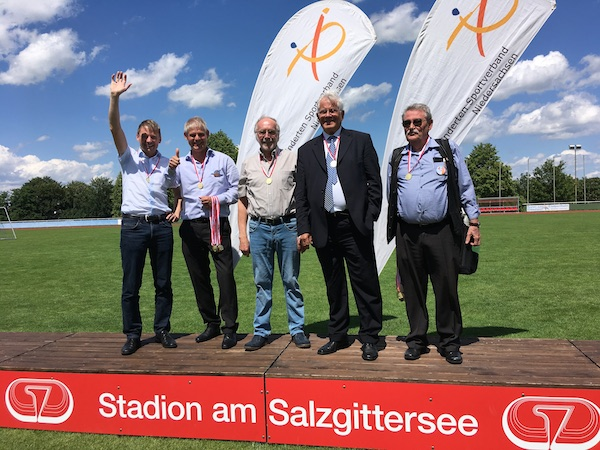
<point x="39" y="198"/>
<point x="101" y="194"/>
<point x="491" y="177"/>
<point x="592" y="189"/>
<point x="546" y="182"/>
<point x="220" y="142"/>
<point x="77" y="200"/>
<point x="117" y="195"/>
<point x="4" y="198"/>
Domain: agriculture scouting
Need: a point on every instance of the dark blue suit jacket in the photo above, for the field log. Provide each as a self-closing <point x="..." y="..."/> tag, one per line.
<point x="358" y="172"/>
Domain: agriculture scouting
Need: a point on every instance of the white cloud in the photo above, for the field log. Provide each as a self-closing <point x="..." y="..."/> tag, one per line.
<point x="16" y="170"/>
<point x="90" y="151"/>
<point x="159" y="74"/>
<point x="354" y="97"/>
<point x="540" y="74"/>
<point x="32" y="56"/>
<point x="590" y="75"/>
<point x="399" y="26"/>
<point x="47" y="54"/>
<point x="206" y="93"/>
<point x="43" y="138"/>
<point x="574" y="115"/>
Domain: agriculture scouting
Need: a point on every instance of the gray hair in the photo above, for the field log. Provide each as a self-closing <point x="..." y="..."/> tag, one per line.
<point x="419" y="107"/>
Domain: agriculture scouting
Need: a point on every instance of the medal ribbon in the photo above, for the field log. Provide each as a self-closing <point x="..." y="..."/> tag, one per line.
<point x="203" y="164"/>
<point x="337" y="147"/>
<point x="215" y="223"/>
<point x="271" y="168"/>
<point x="148" y="175"/>
<point x="420" y="156"/>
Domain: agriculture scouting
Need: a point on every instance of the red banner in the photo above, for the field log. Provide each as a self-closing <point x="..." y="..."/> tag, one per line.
<point x="411" y="416"/>
<point x="304" y="411"/>
<point x="227" y="408"/>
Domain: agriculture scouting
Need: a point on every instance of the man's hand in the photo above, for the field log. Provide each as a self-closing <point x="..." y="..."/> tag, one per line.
<point x="244" y="245"/>
<point x="303" y="242"/>
<point x="118" y="84"/>
<point x="174" y="161"/>
<point x="473" y="236"/>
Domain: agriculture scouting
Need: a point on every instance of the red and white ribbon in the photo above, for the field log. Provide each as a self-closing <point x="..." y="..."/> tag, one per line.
<point x="215" y="224"/>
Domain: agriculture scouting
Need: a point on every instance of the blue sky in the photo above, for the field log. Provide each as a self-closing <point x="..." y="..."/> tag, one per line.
<point x="189" y="58"/>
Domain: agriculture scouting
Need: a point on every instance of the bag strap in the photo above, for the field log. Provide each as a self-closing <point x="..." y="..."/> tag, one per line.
<point x="393" y="199"/>
<point x="454" y="204"/>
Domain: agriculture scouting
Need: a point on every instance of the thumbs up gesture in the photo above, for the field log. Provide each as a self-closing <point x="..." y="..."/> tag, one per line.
<point x="174" y="161"/>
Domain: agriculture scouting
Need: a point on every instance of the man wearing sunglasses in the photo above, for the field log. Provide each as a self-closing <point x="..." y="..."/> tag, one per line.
<point x="426" y="246"/>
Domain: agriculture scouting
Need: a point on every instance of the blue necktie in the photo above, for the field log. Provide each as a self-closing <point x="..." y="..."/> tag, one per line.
<point x="331" y="175"/>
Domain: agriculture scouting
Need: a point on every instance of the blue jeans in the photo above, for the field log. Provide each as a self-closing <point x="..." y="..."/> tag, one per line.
<point x="137" y="238"/>
<point x="266" y="241"/>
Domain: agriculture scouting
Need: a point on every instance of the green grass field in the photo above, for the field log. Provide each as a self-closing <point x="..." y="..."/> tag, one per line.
<point x="538" y="278"/>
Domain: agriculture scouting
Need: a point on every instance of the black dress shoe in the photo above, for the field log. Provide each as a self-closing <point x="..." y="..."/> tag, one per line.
<point x="333" y="346"/>
<point x="369" y="352"/>
<point x="165" y="339"/>
<point x="413" y="353"/>
<point x="131" y="346"/>
<point x="453" y="356"/>
<point x="211" y="331"/>
<point x="229" y="340"/>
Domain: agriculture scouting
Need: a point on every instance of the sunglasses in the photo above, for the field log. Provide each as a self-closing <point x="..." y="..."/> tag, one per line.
<point x="416" y="122"/>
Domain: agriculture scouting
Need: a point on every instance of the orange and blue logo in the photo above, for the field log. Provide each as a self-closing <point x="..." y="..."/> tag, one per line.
<point x="479" y="28"/>
<point x="313" y="56"/>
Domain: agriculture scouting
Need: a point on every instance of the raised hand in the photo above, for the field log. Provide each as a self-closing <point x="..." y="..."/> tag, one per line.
<point x="118" y="83"/>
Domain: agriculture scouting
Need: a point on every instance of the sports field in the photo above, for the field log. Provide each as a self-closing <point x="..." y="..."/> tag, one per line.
<point x="538" y="278"/>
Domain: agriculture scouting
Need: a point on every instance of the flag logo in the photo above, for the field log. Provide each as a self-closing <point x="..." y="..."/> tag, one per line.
<point x="479" y="29"/>
<point x="313" y="58"/>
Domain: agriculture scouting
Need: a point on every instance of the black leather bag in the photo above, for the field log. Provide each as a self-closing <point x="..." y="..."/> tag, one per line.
<point x="469" y="258"/>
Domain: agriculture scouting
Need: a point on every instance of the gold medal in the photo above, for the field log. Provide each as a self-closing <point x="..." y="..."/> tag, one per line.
<point x="408" y="176"/>
<point x="147" y="179"/>
<point x="220" y="247"/>
<point x="269" y="180"/>
<point x="200" y="185"/>
<point x="215" y="248"/>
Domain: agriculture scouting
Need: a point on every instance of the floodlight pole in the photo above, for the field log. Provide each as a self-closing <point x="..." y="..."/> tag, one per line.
<point x="575" y="148"/>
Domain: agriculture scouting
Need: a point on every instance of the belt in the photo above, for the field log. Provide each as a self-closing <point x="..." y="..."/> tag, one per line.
<point x="274" y="220"/>
<point x="199" y="219"/>
<point x="339" y="214"/>
<point x="146" y="217"/>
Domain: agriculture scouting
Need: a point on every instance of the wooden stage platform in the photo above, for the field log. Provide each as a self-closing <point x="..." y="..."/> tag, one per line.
<point x="293" y="383"/>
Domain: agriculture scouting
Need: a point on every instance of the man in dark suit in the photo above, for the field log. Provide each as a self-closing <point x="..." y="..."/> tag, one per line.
<point x="338" y="197"/>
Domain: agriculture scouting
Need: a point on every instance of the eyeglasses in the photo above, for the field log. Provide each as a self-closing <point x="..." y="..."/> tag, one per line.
<point x="331" y="111"/>
<point x="265" y="132"/>
<point x="416" y="122"/>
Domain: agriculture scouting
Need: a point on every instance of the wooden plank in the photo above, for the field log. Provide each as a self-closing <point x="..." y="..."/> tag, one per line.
<point x="487" y="361"/>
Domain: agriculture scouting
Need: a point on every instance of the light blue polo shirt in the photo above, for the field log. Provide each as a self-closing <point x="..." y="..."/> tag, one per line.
<point x="145" y="183"/>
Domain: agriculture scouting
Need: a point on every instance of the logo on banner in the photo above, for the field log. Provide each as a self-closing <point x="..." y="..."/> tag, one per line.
<point x="552" y="423"/>
<point x="313" y="58"/>
<point x="479" y="28"/>
<point x="33" y="400"/>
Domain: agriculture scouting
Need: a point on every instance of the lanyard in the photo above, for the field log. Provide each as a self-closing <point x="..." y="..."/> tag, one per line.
<point x="408" y="176"/>
<point x="201" y="174"/>
<point x="148" y="175"/>
<point x="270" y="169"/>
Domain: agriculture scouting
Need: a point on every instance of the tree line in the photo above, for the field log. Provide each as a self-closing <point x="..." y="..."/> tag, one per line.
<point x="44" y="198"/>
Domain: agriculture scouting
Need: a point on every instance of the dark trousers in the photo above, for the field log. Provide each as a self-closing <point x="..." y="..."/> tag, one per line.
<point x="137" y="238"/>
<point x="424" y="252"/>
<point x="195" y="244"/>
<point x="346" y="243"/>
